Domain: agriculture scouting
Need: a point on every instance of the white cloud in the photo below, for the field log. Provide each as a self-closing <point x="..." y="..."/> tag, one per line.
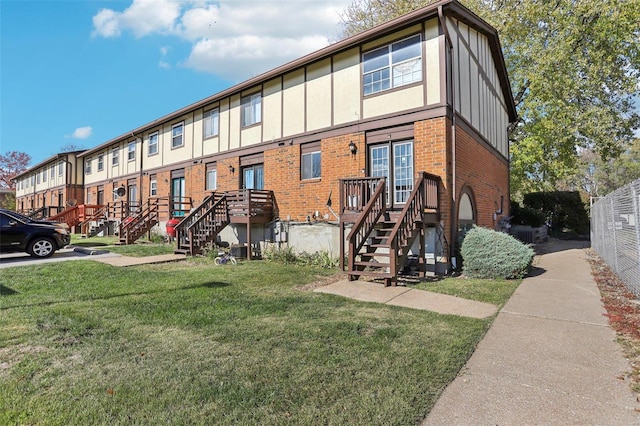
<point x="234" y="39"/>
<point x="82" y="132"/>
<point x="164" y="65"/>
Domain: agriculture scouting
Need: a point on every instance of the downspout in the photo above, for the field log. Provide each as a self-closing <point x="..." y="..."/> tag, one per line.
<point x="449" y="69"/>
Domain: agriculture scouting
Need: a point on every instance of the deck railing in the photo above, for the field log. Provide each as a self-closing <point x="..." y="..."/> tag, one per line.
<point x="355" y="193"/>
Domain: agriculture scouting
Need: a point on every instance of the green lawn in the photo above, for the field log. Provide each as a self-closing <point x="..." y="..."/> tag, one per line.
<point x="192" y="343"/>
<point x="140" y="248"/>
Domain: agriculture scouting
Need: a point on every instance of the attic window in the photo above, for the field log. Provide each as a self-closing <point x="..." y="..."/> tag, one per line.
<point x="393" y="65"/>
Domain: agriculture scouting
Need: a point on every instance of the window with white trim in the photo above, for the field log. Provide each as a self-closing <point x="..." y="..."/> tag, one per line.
<point x="87" y="166"/>
<point x="153" y="144"/>
<point x="211" y="182"/>
<point x="38" y="177"/>
<point x="311" y="165"/>
<point x="60" y="168"/>
<point x="53" y="172"/>
<point x="153" y="187"/>
<point x="115" y="157"/>
<point x="100" y="162"/>
<point x="251" y="107"/>
<point x="131" y="151"/>
<point x="210" y="122"/>
<point x="44" y="175"/>
<point x="393" y="65"/>
<point x="177" y="139"/>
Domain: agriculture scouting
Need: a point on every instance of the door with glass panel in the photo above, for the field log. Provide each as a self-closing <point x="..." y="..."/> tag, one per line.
<point x="395" y="162"/>
<point x="178" y="192"/>
<point x="253" y="177"/>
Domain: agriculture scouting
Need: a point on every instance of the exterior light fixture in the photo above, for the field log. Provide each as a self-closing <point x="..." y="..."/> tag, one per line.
<point x="353" y="148"/>
<point x="231" y="169"/>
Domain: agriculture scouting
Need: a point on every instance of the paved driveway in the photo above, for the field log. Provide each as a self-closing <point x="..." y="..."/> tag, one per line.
<point x="23" y="259"/>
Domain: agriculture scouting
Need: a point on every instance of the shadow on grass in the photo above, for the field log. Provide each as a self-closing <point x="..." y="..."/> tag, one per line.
<point x="6" y="291"/>
<point x="212" y="284"/>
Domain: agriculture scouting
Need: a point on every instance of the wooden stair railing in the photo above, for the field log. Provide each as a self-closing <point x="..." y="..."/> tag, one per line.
<point x="385" y="248"/>
<point x="98" y="215"/>
<point x="202" y="225"/>
<point x="136" y="225"/>
<point x="39" y="214"/>
<point x="365" y="224"/>
<point x="70" y="216"/>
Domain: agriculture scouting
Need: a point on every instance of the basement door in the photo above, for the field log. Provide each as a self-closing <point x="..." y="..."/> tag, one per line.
<point x="394" y="160"/>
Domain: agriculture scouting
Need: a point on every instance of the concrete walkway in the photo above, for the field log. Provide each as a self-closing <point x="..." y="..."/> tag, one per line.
<point x="409" y="298"/>
<point x="548" y="359"/>
<point x="134" y="261"/>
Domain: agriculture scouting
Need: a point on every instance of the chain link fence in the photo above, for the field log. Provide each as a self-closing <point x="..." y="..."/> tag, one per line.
<point x="615" y="233"/>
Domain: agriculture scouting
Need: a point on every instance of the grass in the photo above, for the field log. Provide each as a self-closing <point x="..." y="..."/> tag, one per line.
<point x="191" y="343"/>
<point x="140" y="248"/>
<point x="496" y="292"/>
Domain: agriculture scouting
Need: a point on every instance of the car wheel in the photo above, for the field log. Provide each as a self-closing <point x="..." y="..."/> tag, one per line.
<point x="41" y="247"/>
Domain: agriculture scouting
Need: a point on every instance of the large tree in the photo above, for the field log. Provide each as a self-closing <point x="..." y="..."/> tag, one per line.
<point x="574" y="67"/>
<point x="11" y="164"/>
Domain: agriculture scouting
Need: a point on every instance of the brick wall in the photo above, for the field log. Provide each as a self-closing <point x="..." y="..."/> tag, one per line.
<point x="487" y="176"/>
<point x="296" y="199"/>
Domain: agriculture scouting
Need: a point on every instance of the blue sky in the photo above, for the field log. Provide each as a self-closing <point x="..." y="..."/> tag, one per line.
<point x="83" y="72"/>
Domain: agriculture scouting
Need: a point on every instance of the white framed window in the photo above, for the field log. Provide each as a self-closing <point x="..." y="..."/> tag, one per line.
<point x="177" y="131"/>
<point x="153" y="187"/>
<point x="251" y="107"/>
<point x="211" y="121"/>
<point x="100" y="162"/>
<point x="52" y="174"/>
<point x="115" y="157"/>
<point x="60" y="168"/>
<point x="393" y="65"/>
<point x="87" y="166"/>
<point x="211" y="183"/>
<point x="131" y="151"/>
<point x="44" y="175"/>
<point x="38" y="177"/>
<point x="311" y="165"/>
<point x="153" y="144"/>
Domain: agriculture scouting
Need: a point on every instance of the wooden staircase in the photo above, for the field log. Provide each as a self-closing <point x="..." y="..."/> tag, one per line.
<point x="77" y="214"/>
<point x="202" y="225"/>
<point x="99" y="217"/>
<point x="136" y="225"/>
<point x="380" y="240"/>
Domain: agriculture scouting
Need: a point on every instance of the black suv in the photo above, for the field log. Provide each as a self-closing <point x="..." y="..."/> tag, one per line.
<point x="39" y="238"/>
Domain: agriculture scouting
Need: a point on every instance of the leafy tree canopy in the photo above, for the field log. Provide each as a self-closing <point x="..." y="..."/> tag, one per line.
<point x="11" y="164"/>
<point x="574" y="67"/>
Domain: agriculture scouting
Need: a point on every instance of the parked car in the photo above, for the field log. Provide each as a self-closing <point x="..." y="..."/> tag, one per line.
<point x="39" y="238"/>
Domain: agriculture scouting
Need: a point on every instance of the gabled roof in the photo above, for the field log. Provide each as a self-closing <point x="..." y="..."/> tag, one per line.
<point x="448" y="7"/>
<point x="47" y="161"/>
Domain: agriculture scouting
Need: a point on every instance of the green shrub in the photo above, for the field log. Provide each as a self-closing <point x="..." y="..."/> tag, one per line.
<point x="526" y="216"/>
<point x="490" y="254"/>
<point x="284" y="254"/>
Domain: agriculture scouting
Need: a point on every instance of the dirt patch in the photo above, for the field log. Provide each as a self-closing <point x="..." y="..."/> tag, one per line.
<point x="323" y="281"/>
<point x="623" y="312"/>
<point x="12" y="355"/>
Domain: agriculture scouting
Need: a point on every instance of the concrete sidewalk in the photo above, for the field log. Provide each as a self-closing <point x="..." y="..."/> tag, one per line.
<point x="548" y="359"/>
<point x="409" y="298"/>
<point x="124" y="261"/>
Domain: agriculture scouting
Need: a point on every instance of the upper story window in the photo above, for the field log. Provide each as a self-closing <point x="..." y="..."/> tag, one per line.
<point x="251" y="109"/>
<point x="211" y="119"/>
<point x="100" y="162"/>
<point x="44" y="175"/>
<point x="115" y="157"/>
<point x="153" y="143"/>
<point x="87" y="166"/>
<point x="38" y="177"/>
<point x="131" y="151"/>
<point x="60" y="168"/>
<point x="177" y="131"/>
<point x="53" y="172"/>
<point x="392" y="65"/>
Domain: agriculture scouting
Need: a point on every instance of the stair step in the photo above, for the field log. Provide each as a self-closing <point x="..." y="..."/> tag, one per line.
<point x="371" y="274"/>
<point x="372" y="264"/>
<point x="373" y="254"/>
